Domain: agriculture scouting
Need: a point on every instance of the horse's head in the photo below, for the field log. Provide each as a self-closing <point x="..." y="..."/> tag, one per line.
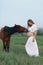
<point x="20" y="29"/>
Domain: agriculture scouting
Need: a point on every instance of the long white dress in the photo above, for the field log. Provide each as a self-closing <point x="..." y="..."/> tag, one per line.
<point x="32" y="47"/>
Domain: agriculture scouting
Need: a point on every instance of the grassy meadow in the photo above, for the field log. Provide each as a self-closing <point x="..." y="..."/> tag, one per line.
<point x="17" y="54"/>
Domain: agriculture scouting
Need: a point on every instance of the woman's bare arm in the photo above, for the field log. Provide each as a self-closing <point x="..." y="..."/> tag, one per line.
<point x="35" y="33"/>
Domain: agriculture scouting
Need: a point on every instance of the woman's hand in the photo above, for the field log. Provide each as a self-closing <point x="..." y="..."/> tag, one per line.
<point x="33" y="40"/>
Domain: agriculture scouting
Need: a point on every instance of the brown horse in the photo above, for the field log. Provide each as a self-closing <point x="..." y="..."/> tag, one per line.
<point x="6" y="32"/>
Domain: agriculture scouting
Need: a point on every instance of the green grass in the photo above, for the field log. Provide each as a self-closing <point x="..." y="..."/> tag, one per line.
<point x="17" y="54"/>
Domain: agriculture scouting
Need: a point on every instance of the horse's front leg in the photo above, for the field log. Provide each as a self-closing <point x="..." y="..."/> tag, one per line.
<point x="8" y="44"/>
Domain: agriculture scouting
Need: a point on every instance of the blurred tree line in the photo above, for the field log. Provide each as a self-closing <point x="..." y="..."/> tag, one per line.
<point x="40" y="31"/>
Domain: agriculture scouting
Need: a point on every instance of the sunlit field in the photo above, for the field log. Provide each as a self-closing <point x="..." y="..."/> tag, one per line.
<point x="17" y="54"/>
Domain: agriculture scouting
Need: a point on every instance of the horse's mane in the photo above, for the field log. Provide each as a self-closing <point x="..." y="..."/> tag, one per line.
<point x="13" y="26"/>
<point x="17" y="26"/>
<point x="10" y="30"/>
<point x="6" y="27"/>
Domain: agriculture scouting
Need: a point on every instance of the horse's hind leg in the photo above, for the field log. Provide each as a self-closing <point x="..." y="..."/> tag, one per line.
<point x="4" y="45"/>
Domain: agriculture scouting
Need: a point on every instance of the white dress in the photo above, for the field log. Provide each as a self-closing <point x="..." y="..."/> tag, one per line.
<point x="32" y="47"/>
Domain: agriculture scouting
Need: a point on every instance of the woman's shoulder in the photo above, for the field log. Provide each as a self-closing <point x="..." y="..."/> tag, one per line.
<point x="34" y="25"/>
<point x="33" y="28"/>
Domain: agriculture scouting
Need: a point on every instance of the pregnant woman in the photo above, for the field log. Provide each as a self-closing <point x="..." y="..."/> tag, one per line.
<point x="31" y="45"/>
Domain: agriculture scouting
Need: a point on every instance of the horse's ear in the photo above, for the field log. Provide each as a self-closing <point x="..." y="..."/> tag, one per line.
<point x="15" y="24"/>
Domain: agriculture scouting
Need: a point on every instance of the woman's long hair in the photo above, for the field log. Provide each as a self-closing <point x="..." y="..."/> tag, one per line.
<point x="28" y="25"/>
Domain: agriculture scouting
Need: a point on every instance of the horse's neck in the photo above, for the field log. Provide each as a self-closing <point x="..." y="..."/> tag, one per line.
<point x="11" y="30"/>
